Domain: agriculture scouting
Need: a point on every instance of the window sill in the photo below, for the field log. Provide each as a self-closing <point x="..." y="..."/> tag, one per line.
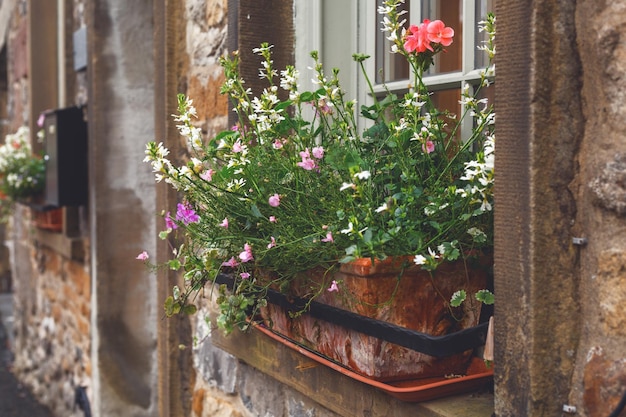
<point x="337" y="392"/>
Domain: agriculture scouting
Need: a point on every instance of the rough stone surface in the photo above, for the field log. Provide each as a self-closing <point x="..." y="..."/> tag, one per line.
<point x="609" y="187"/>
<point x="604" y="382"/>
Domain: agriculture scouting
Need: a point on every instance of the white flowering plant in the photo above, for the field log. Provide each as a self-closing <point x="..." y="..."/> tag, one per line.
<point x="284" y="193"/>
<point x="22" y="173"/>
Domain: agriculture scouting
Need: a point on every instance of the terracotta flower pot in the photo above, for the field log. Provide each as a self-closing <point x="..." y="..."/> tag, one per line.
<point x="411" y="298"/>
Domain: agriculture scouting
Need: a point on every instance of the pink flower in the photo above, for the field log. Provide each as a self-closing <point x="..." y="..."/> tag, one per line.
<point x="41" y="119"/>
<point x="246" y="255"/>
<point x="232" y="263"/>
<point x="224" y="223"/>
<point x="272" y="219"/>
<point x="318" y="152"/>
<point x="237" y="147"/>
<point x="143" y="256"/>
<point x="274" y="200"/>
<point x="169" y="223"/>
<point x="278" y="144"/>
<point x="328" y="238"/>
<point x="307" y="164"/>
<point x="245" y="275"/>
<point x="429" y="146"/>
<point x="333" y="287"/>
<point x="438" y="32"/>
<point x="417" y="39"/>
<point x="207" y="175"/>
<point x="272" y="243"/>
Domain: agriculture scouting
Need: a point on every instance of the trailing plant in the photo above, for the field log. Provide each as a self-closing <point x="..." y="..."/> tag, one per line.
<point x="284" y="193"/>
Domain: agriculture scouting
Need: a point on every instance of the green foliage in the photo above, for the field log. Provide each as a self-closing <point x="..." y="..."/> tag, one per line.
<point x="22" y="174"/>
<point x="285" y="193"/>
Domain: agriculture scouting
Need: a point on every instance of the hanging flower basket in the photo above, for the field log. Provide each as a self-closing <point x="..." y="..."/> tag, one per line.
<point x="51" y="220"/>
<point x="393" y="293"/>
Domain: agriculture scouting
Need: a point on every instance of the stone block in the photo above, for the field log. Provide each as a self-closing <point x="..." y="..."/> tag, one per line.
<point x="604" y="382"/>
<point x="612" y="291"/>
<point x="216" y="367"/>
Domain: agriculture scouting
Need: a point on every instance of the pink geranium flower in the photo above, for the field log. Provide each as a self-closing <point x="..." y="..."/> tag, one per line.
<point x="438" y="32"/>
<point x="272" y="243"/>
<point x="245" y="275"/>
<point x="274" y="200"/>
<point x="224" y="223"/>
<point x="272" y="219"/>
<point x="143" y="256"/>
<point x="333" y="287"/>
<point x="417" y="38"/>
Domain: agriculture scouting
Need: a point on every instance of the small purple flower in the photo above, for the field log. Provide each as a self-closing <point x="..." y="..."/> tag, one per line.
<point x="186" y="214"/>
<point x="169" y="223"/>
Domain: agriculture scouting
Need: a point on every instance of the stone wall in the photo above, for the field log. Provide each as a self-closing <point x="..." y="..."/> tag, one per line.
<point x="52" y="289"/>
<point x="52" y="310"/>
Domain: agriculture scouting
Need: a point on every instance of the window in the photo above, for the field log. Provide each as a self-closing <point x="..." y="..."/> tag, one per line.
<point x="318" y="28"/>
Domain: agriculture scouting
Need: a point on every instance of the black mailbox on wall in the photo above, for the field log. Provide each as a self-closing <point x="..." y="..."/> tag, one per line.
<point x="65" y="132"/>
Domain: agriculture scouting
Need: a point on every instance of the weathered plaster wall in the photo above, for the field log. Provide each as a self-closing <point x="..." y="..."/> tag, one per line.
<point x="122" y="212"/>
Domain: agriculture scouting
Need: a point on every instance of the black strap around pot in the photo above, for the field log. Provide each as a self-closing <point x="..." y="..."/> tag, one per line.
<point x="438" y="346"/>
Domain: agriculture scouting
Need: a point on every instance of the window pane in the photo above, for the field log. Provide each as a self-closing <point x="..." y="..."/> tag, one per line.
<point x="392" y="67"/>
<point x="389" y="66"/>
<point x="482" y="8"/>
<point x="448" y="100"/>
<point x="451" y="12"/>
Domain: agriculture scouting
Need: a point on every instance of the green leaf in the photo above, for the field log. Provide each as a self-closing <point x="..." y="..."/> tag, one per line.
<point x="255" y="211"/>
<point x="169" y="306"/>
<point x="485" y="297"/>
<point x="307" y="96"/>
<point x="458" y="298"/>
<point x="190" y="309"/>
<point x="174" y="264"/>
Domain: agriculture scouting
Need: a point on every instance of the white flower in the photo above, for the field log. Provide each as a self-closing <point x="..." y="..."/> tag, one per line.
<point x="349" y="230"/>
<point x="382" y="208"/>
<point x="346" y="185"/>
<point x="419" y="260"/>
<point x="363" y="175"/>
